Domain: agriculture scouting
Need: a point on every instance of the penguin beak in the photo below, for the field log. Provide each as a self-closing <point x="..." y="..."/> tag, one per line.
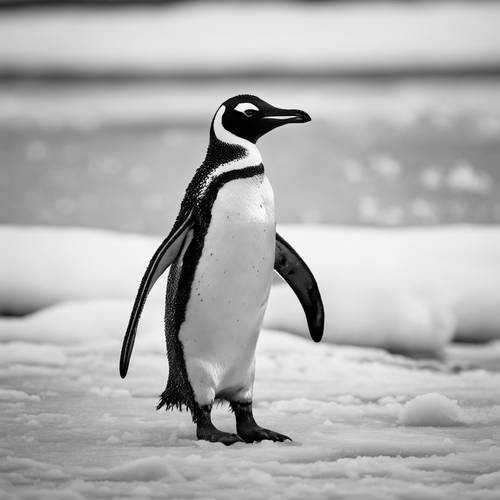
<point x="269" y="117"/>
<point x="272" y="118"/>
<point x="282" y="116"/>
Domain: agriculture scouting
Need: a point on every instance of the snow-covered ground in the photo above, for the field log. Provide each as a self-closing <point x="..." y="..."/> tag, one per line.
<point x="364" y="423"/>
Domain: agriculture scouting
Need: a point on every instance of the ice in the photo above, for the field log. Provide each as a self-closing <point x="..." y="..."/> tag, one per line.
<point x="90" y="434"/>
<point x="431" y="409"/>
<point x="386" y="167"/>
<point x="331" y="38"/>
<point x="365" y="423"/>
<point x="108" y="392"/>
<point x="7" y="395"/>
<point x="408" y="290"/>
<point x="461" y="177"/>
<point x="87" y="263"/>
<point x="142" y="469"/>
<point x="464" y="177"/>
<point x="488" y="480"/>
<point x="400" y="105"/>
<point x="431" y="177"/>
<point x="31" y="354"/>
<point x="13" y="464"/>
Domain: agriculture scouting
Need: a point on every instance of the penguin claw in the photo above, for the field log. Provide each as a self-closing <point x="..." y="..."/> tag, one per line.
<point x="230" y="439"/>
<point x="221" y="437"/>
<point x="260" y="434"/>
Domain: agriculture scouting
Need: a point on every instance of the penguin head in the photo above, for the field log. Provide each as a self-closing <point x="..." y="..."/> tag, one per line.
<point x="249" y="117"/>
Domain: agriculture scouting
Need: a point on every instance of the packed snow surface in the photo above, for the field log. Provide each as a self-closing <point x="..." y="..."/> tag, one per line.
<point x="364" y="423"/>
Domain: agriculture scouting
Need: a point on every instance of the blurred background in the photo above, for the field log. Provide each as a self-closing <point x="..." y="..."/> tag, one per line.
<point x="105" y="108"/>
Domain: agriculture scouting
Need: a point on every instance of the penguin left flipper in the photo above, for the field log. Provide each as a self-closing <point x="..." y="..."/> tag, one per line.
<point x="162" y="259"/>
<point x="290" y="266"/>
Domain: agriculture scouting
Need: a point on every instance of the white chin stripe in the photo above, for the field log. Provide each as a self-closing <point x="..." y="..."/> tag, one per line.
<point x="252" y="157"/>
<point x="245" y="106"/>
<point x="228" y="137"/>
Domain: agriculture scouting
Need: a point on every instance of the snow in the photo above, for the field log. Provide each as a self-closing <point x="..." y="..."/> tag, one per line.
<point x="365" y="423"/>
<point x="386" y="167"/>
<point x="16" y="396"/>
<point x="431" y="178"/>
<point x="488" y="480"/>
<point x="108" y="392"/>
<point x="461" y="177"/>
<point x="371" y="211"/>
<point x="142" y="469"/>
<point x="343" y="407"/>
<point x="324" y="36"/>
<point x="90" y="261"/>
<point x="408" y="290"/>
<point x="431" y="409"/>
<point x="464" y="177"/>
<point x="400" y="104"/>
<point x="24" y="352"/>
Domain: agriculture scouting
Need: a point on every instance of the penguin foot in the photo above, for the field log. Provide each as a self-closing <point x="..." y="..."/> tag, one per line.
<point x="216" y="436"/>
<point x="248" y="429"/>
<point x="253" y="434"/>
<point x="207" y="431"/>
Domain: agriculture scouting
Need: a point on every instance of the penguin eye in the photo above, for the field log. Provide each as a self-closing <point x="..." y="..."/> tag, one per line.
<point x="247" y="108"/>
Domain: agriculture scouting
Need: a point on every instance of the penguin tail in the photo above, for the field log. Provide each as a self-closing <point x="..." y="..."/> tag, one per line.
<point x="170" y="399"/>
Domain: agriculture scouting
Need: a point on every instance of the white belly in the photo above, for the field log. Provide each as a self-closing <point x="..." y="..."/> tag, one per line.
<point x="230" y="291"/>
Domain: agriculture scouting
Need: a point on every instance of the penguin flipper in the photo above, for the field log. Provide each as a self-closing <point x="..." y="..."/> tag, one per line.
<point x="290" y="266"/>
<point x="161" y="260"/>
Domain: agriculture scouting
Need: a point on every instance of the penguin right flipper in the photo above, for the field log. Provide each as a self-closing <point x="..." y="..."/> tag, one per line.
<point x="166" y="253"/>
<point x="290" y="266"/>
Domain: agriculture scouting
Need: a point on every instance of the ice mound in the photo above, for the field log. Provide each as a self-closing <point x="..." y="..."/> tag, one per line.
<point x="71" y="322"/>
<point x="407" y="290"/>
<point x="31" y="354"/>
<point x="44" y="265"/>
<point x="432" y="409"/>
<point x="404" y="289"/>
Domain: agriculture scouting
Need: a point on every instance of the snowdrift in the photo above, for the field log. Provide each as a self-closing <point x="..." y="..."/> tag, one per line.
<point x="45" y="265"/>
<point x="407" y="290"/>
<point x="404" y="289"/>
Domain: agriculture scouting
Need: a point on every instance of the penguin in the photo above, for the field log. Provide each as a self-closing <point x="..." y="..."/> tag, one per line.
<point x="222" y="251"/>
